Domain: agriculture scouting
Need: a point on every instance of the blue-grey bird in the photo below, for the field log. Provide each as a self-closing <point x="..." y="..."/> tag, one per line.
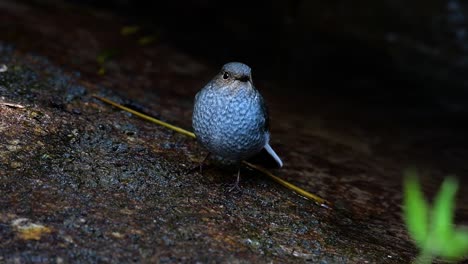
<point x="230" y="118"/>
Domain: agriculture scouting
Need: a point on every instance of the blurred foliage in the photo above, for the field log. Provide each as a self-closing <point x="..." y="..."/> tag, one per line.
<point x="106" y="55"/>
<point x="432" y="228"/>
<point x="129" y="30"/>
<point x="147" y="40"/>
<point x="103" y="57"/>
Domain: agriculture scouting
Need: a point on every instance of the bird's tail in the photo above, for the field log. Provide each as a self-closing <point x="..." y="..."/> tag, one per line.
<point x="273" y="154"/>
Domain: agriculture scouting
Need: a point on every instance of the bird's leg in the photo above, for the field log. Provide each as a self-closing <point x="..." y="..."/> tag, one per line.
<point x="203" y="161"/>
<point x="200" y="165"/>
<point x="236" y="185"/>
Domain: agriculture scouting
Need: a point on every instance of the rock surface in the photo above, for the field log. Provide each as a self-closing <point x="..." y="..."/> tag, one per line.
<point x="83" y="182"/>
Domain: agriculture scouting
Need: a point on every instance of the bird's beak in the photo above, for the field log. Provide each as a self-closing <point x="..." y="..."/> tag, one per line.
<point x="244" y="79"/>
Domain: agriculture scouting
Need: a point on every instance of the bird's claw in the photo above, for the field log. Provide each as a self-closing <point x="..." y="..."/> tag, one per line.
<point x="235" y="187"/>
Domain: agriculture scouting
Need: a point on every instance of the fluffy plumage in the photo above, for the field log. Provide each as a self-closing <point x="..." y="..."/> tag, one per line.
<point x="230" y="118"/>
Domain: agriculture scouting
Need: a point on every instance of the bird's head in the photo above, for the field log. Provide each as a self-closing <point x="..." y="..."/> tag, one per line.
<point x="235" y="74"/>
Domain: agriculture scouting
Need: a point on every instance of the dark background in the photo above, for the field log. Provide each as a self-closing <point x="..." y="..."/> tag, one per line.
<point x="358" y="91"/>
<point x="394" y="53"/>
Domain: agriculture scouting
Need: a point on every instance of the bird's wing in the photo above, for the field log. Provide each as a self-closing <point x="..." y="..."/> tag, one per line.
<point x="265" y="113"/>
<point x="266" y="117"/>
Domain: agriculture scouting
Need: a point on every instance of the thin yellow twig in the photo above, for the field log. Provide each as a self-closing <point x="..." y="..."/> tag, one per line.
<point x="12" y="105"/>
<point x="286" y="184"/>
<point x="147" y="117"/>
<point x="290" y="186"/>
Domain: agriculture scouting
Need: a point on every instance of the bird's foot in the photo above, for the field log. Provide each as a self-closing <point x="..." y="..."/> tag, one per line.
<point x="195" y="168"/>
<point x="235" y="188"/>
<point x="199" y="166"/>
<point x="236" y="185"/>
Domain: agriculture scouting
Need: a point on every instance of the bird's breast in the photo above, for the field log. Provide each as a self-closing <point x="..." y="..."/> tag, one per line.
<point x="229" y="124"/>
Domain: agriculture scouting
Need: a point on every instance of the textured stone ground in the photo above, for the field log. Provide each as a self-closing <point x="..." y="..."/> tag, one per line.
<point x="83" y="182"/>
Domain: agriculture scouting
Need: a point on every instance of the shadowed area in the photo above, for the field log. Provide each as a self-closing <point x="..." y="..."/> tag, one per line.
<point x="84" y="182"/>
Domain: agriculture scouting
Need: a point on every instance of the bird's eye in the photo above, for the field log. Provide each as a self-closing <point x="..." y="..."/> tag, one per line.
<point x="225" y="75"/>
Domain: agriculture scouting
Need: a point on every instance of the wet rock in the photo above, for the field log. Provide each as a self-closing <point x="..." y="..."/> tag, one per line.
<point x="74" y="92"/>
<point x="114" y="188"/>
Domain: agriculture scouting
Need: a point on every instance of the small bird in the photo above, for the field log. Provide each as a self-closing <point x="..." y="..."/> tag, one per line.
<point x="230" y="118"/>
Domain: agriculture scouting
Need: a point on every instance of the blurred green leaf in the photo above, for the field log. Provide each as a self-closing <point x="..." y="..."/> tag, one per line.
<point x="442" y="212"/>
<point x="102" y="71"/>
<point x="457" y="246"/>
<point x="129" y="30"/>
<point x="106" y="55"/>
<point x="415" y="208"/>
<point x="147" y="40"/>
<point x="435" y="236"/>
